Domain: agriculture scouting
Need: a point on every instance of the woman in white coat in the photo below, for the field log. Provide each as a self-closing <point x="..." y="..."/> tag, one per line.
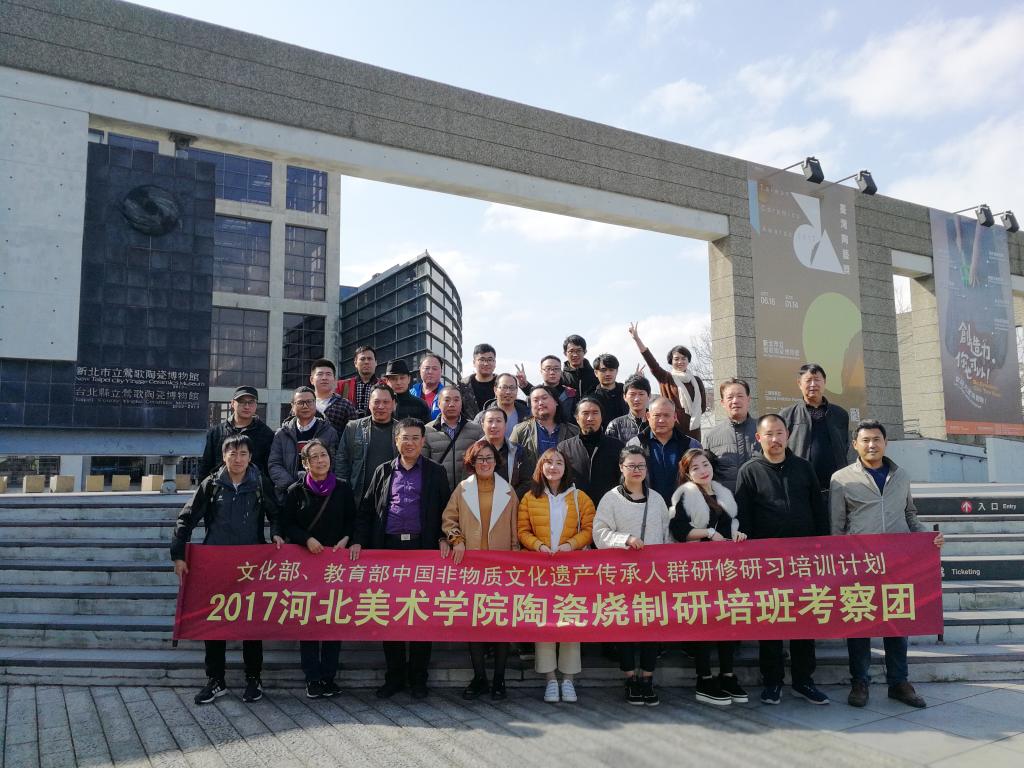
<point x="706" y="511"/>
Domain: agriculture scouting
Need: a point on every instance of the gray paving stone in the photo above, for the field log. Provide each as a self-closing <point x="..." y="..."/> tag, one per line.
<point x="153" y="733"/>
<point x="118" y="728"/>
<point x="86" y="730"/>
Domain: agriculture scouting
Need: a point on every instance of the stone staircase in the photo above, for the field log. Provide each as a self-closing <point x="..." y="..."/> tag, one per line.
<point x="87" y="596"/>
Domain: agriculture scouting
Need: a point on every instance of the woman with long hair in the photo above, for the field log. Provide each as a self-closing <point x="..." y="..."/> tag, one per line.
<point x="556" y="517"/>
<point x="482" y="515"/>
<point x="706" y="511"/>
<point x="319" y="512"/>
<point x="630" y="517"/>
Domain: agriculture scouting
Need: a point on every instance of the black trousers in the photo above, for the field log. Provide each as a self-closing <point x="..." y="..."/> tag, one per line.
<point x="702" y="656"/>
<point x="773" y="665"/>
<point x="477" y="653"/>
<point x="632" y="655"/>
<point x="252" y="657"/>
<point x="406" y="663"/>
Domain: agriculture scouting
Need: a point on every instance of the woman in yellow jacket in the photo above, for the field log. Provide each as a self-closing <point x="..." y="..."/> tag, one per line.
<point x="482" y="514"/>
<point x="556" y="517"/>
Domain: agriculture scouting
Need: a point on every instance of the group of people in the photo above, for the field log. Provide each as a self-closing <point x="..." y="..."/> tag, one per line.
<point x="584" y="460"/>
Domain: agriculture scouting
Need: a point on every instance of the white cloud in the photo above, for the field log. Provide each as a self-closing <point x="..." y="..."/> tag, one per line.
<point x="769" y="82"/>
<point x="663" y="16"/>
<point x="970" y="169"/>
<point x="779" y="146"/>
<point x="676" y="101"/>
<point x="828" y="19"/>
<point x="934" y="67"/>
<point x="540" y="226"/>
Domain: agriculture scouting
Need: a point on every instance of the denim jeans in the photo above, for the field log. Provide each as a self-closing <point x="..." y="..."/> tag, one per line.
<point x="895" y="659"/>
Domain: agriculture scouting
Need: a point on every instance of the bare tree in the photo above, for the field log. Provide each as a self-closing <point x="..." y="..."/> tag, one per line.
<point x="702" y="365"/>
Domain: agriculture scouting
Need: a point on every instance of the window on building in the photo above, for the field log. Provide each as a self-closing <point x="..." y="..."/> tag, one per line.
<point x="132" y="142"/>
<point x="244" y="179"/>
<point x="303" y="343"/>
<point x="305" y="263"/>
<point x="241" y="256"/>
<point x="95" y="136"/>
<point x="307" y="190"/>
<point x="238" y="347"/>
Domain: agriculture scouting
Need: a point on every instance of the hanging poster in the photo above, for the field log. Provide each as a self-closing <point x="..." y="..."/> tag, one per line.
<point x="806" y="288"/>
<point x="980" y="375"/>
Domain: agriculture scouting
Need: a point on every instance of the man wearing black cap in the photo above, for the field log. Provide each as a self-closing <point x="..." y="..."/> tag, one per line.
<point x="399" y="377"/>
<point x="243" y="421"/>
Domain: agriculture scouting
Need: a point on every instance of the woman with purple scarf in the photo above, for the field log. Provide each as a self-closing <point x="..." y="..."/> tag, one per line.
<point x="318" y="514"/>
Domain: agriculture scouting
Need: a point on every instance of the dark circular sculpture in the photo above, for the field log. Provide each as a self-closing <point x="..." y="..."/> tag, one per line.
<point x="151" y="210"/>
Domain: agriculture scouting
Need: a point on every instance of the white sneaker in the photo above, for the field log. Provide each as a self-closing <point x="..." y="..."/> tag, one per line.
<point x="568" y="691"/>
<point x="551" y="692"/>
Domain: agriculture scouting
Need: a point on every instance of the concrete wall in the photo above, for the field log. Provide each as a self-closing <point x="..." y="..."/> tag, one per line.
<point x="42" y="213"/>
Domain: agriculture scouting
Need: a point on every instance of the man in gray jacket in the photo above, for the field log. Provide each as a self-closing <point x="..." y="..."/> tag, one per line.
<point x="732" y="442"/>
<point x="872" y="495"/>
<point x="305" y="424"/>
<point x="367" y="442"/>
<point x="450" y="435"/>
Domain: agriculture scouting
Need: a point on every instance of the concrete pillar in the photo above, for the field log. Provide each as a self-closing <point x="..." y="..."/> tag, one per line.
<point x="77" y="467"/>
<point x="879" y="338"/>
<point x="929" y="406"/>
<point x="733" y="338"/>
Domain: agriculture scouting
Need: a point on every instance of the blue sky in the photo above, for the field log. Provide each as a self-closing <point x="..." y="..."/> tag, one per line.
<point x="925" y="95"/>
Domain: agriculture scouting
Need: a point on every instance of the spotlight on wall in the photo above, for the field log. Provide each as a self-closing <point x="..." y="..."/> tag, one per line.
<point x="809" y="165"/>
<point x="181" y="141"/>
<point x="983" y="213"/>
<point x="865" y="183"/>
<point x="1009" y="221"/>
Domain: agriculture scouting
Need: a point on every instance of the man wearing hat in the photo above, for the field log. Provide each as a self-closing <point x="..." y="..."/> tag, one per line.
<point x="399" y="377"/>
<point x="243" y="421"/>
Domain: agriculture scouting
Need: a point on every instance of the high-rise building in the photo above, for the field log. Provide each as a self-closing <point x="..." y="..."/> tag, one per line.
<point x="403" y="312"/>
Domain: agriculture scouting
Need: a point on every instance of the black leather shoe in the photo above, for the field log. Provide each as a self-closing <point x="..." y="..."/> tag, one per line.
<point x="498" y="692"/>
<point x="477" y="687"/>
<point x="419" y="691"/>
<point x="388" y="690"/>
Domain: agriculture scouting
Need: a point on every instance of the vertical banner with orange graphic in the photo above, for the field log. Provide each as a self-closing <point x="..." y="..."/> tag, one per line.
<point x="806" y="288"/>
<point x="980" y="377"/>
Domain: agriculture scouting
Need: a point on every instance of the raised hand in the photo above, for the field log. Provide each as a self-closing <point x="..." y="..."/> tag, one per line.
<point x="521" y="374"/>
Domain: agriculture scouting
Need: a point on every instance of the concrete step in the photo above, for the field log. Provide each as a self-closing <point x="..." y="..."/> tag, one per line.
<point x="85" y="549"/>
<point x="362" y="666"/>
<point x="30" y="515"/>
<point x="89" y="600"/>
<point x="982" y="567"/>
<point x="76" y="530"/>
<point x="960" y="544"/>
<point x="975" y="523"/>
<point x="982" y="595"/>
<point x="87" y="572"/>
<point x="988" y="626"/>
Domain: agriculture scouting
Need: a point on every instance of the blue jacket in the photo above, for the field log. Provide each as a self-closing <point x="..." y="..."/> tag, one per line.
<point x="416" y="390"/>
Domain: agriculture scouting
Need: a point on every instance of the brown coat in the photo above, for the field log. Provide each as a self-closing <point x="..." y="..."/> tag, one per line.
<point x="668" y="387"/>
<point x="461" y="518"/>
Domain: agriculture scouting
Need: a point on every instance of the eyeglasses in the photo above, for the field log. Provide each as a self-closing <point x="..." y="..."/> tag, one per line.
<point x="550" y="368"/>
<point x="304" y="403"/>
<point x="484" y="460"/>
<point x="506" y="388"/>
<point x="483" y="359"/>
<point x="634" y="467"/>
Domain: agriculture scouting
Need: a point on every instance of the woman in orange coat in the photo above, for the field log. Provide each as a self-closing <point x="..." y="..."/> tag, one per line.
<point x="482" y="514"/>
<point x="556" y="517"/>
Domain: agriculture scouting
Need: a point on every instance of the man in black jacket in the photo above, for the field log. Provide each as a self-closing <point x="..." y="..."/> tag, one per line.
<point x="243" y="421"/>
<point x="819" y="431"/>
<point x="407" y="405"/>
<point x="593" y="456"/>
<point x="778" y="496"/>
<point x="577" y="372"/>
<point x="401" y="509"/>
<point x="609" y="392"/>
<point x="232" y="503"/>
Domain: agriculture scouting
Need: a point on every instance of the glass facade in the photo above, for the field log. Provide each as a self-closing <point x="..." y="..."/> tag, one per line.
<point x="303" y="342"/>
<point x="219" y="411"/>
<point x="133" y="142"/>
<point x="307" y="190"/>
<point x="244" y="179"/>
<point x="402" y="314"/>
<point x="238" y="347"/>
<point x="241" y="256"/>
<point x="305" y="263"/>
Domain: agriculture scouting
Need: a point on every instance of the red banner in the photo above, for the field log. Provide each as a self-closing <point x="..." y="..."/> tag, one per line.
<point x="820" y="587"/>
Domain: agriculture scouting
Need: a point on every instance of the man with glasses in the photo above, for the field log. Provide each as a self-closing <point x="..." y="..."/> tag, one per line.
<point x="305" y="424"/>
<point x="505" y="390"/>
<point x="357" y="389"/>
<point x="242" y="421"/>
<point x="551" y="379"/>
<point x="335" y="408"/>
<point x="609" y="393"/>
<point x="577" y="373"/>
<point x="665" y="445"/>
<point x="401" y="509"/>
